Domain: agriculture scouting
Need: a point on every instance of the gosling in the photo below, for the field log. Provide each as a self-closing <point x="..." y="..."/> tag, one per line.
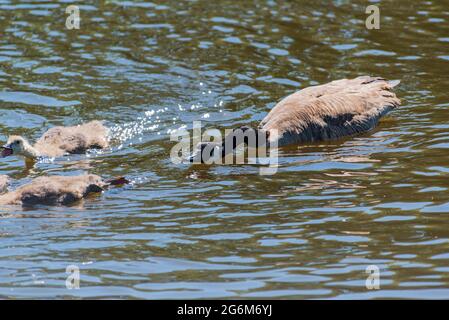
<point x="58" y="190"/>
<point x="60" y="141"/>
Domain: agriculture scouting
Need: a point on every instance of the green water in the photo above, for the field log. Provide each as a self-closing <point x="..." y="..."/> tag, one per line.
<point x="183" y="231"/>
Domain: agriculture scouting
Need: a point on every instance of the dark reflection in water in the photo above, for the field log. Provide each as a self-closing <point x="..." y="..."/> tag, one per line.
<point x="309" y="231"/>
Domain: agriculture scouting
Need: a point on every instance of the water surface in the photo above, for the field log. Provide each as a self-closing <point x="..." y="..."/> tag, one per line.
<point x="180" y="231"/>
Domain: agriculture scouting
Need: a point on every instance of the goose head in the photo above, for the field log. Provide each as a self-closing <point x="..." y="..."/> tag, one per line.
<point x="206" y="152"/>
<point x="18" y="145"/>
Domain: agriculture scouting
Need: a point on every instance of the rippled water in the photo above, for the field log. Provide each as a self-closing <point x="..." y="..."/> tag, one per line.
<point x="183" y="231"/>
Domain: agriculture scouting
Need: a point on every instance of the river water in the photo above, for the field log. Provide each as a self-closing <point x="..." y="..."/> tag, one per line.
<point x="180" y="231"/>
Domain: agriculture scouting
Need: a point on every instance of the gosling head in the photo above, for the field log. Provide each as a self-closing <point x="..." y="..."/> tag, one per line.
<point x="17" y="145"/>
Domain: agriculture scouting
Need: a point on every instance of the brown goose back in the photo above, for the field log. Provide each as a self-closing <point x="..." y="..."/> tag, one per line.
<point x="333" y="110"/>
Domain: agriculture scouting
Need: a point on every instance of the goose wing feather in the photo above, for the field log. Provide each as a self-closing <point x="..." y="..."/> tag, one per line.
<point x="339" y="108"/>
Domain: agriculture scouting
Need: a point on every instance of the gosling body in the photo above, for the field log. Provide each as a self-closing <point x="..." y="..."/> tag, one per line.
<point x="57" y="190"/>
<point x="59" y="141"/>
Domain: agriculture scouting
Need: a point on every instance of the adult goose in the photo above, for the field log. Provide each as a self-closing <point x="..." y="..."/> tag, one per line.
<point x="58" y="190"/>
<point x="59" y="141"/>
<point x="337" y="109"/>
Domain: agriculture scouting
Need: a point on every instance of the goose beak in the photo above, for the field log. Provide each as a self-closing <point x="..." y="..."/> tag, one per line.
<point x="195" y="157"/>
<point x="191" y="158"/>
<point x="6" y="150"/>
